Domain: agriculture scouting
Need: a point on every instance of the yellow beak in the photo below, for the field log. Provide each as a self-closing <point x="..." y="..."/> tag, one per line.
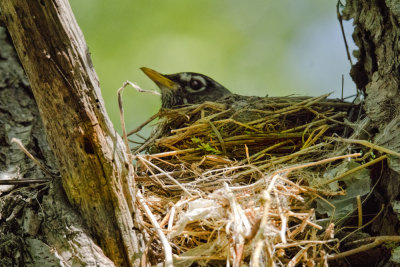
<point x="162" y="81"/>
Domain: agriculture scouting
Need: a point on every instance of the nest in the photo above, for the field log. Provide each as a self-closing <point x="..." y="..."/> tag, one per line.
<point x="238" y="181"/>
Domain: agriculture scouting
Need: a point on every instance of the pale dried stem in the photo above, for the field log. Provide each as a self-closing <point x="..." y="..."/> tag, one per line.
<point x="37" y="162"/>
<point x="167" y="248"/>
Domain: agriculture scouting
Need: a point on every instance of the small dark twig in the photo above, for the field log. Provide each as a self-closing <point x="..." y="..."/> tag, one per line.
<point x="339" y="16"/>
<point x="37" y="162"/>
<point x="140" y="127"/>
<point x="135" y="142"/>
<point x="24" y="181"/>
<point x="378" y="240"/>
<point x="350" y="96"/>
<point x="342" y="86"/>
<point x="148" y="141"/>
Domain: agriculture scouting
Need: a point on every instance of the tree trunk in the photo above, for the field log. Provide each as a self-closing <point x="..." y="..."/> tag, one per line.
<point x="94" y="167"/>
<point x="37" y="224"/>
<point x="377" y="73"/>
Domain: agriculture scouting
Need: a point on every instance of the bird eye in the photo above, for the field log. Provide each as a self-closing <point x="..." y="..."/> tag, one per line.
<point x="196" y="84"/>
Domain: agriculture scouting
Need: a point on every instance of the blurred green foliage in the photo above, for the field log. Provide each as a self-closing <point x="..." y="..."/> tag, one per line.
<point x="255" y="47"/>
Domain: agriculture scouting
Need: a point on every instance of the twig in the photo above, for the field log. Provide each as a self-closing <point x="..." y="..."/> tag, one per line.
<point x="293" y="262"/>
<point x="365" y="225"/>
<point x="304" y="242"/>
<point x="283" y="217"/>
<point x="240" y="124"/>
<point x="198" y="257"/>
<point x="131" y="183"/>
<point x="314" y="137"/>
<point x="169" y="176"/>
<point x="164" y="241"/>
<point x="342" y="86"/>
<point x="154" y="177"/>
<point x="315" y="123"/>
<point x="360" y="213"/>
<point x="260" y="236"/>
<point x="367" y="144"/>
<point x="339" y="177"/>
<point x="140" y="127"/>
<point x="339" y="114"/>
<point x="149" y="141"/>
<point x="320" y="162"/>
<point x="218" y="135"/>
<point x="24" y="181"/>
<point x="37" y="162"/>
<point x="302" y="226"/>
<point x="140" y="90"/>
<point x="121" y="115"/>
<point x="339" y="16"/>
<point x="377" y="241"/>
<point x="264" y="151"/>
<point x="171" y="153"/>
<point x="301" y="152"/>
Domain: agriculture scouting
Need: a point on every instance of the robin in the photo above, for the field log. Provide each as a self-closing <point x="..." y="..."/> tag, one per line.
<point x="186" y="88"/>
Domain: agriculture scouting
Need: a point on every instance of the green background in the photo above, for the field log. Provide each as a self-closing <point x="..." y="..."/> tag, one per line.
<point x="252" y="47"/>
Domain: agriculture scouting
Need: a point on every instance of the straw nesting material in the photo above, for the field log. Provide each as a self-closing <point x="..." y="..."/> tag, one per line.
<point x="234" y="180"/>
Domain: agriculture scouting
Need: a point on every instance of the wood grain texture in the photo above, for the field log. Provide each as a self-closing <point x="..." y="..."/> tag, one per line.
<point x="377" y="70"/>
<point x="93" y="165"/>
<point x="377" y="73"/>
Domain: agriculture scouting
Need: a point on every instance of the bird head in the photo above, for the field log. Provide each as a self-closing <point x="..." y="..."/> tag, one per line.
<point x="185" y="88"/>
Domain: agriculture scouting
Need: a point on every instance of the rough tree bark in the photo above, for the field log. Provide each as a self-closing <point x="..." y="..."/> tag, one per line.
<point x="37" y="224"/>
<point x="377" y="73"/>
<point x="91" y="156"/>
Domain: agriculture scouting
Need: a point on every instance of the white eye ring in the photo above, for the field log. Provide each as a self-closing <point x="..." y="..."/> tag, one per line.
<point x="201" y="80"/>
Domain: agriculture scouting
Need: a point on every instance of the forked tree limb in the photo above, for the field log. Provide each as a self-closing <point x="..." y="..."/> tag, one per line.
<point x="92" y="158"/>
